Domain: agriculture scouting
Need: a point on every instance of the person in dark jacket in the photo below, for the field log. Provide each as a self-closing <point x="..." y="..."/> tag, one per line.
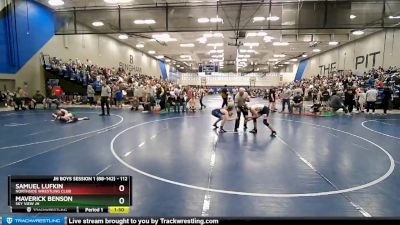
<point x="224" y="95"/>
<point x="387" y="96"/>
<point x="349" y="99"/>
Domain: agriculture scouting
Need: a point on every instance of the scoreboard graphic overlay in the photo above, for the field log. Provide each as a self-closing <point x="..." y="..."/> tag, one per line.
<point x="75" y="194"/>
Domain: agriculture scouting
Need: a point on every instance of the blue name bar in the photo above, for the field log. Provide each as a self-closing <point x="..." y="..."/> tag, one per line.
<point x="25" y="220"/>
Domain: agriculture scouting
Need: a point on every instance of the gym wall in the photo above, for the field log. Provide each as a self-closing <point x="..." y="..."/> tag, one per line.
<point x="378" y="49"/>
<point x="21" y="57"/>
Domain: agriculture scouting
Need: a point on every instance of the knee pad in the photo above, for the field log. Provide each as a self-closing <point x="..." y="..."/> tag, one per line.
<point x="265" y="121"/>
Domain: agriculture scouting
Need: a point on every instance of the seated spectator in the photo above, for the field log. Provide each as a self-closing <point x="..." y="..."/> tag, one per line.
<point x="19" y="99"/>
<point x="336" y="103"/>
<point x="52" y="100"/>
<point x="135" y="103"/>
<point x="38" y="99"/>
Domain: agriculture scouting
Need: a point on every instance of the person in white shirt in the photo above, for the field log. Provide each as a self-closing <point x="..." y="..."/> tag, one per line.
<point x="371" y="96"/>
<point x="286" y="94"/>
<point x="105" y="98"/>
<point x="362" y="98"/>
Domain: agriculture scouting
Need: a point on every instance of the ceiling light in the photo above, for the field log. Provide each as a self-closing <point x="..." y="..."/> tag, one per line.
<point x="152" y="52"/>
<point x="98" y="24"/>
<point x="148" y="21"/>
<point x="117" y="1"/>
<point x="123" y="36"/>
<point x="56" y="2"/>
<point x="250" y="44"/>
<point x="202" y="40"/>
<point x="286" y="63"/>
<point x="273" y="60"/>
<point x="185" y="56"/>
<point x="216" y="20"/>
<point x="210" y="35"/>
<point x="280" y="44"/>
<point x="188" y="45"/>
<point x="203" y="20"/>
<point x="279" y="55"/>
<point x="215" y="51"/>
<point x="352" y="17"/>
<point x="280" y="65"/>
<point x="304" y="55"/>
<point x="163" y="37"/>
<point x="273" y="18"/>
<point x="316" y="50"/>
<point x="333" y="43"/>
<point x="258" y="19"/>
<point x="160" y="57"/>
<point x="217" y="56"/>
<point x="167" y="60"/>
<point x="358" y="32"/>
<point x="140" y="46"/>
<point x="215" y="44"/>
<point x="293" y="60"/>
<point x="394" y="17"/>
<point x="268" y="38"/>
<point x="256" y="34"/>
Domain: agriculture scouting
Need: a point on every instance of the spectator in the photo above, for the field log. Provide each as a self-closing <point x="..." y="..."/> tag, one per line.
<point x="224" y="95"/>
<point x="297" y="102"/>
<point x="371" y="97"/>
<point x="38" y="99"/>
<point x="387" y="97"/>
<point x="349" y="99"/>
<point x="362" y="99"/>
<point x="90" y="95"/>
<point x="105" y="98"/>
<point x="287" y="93"/>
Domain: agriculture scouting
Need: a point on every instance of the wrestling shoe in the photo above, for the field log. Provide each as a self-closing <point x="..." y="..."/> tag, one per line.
<point x="222" y="130"/>
<point x="253" y="131"/>
<point x="273" y="134"/>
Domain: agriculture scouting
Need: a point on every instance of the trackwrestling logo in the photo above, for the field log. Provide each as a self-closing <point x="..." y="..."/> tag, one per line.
<point x="9" y="220"/>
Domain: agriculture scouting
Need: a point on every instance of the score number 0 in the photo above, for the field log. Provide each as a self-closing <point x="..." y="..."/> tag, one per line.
<point x="121" y="200"/>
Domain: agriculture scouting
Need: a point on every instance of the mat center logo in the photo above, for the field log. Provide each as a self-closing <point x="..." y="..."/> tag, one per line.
<point x="9" y="220"/>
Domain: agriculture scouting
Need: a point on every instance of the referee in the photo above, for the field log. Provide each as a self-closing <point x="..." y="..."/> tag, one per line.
<point x="105" y="98"/>
<point x="240" y="102"/>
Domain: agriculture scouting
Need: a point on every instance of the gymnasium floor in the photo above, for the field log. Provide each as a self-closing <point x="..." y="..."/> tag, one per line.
<point x="341" y="166"/>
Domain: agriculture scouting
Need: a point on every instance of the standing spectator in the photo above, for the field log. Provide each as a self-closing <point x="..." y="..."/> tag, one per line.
<point x="105" y="98"/>
<point x="224" y="95"/>
<point x="372" y="94"/>
<point x="160" y="93"/>
<point x="272" y="99"/>
<point x="349" y="99"/>
<point x="362" y="98"/>
<point x="90" y="95"/>
<point x="201" y="96"/>
<point x="387" y="96"/>
<point x="234" y="92"/>
<point x="118" y="96"/>
<point x="286" y="94"/>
